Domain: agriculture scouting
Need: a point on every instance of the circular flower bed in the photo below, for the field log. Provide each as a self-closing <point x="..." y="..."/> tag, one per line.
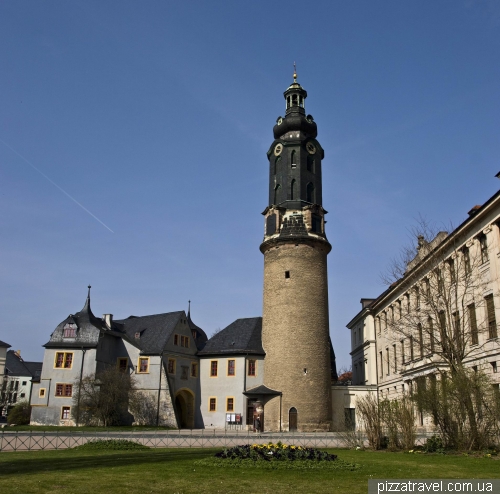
<point x="276" y="456"/>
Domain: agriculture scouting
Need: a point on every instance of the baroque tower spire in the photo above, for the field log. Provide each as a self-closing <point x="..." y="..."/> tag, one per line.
<point x="295" y="327"/>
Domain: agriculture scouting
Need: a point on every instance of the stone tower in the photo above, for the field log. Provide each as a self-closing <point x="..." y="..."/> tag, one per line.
<point x="295" y="329"/>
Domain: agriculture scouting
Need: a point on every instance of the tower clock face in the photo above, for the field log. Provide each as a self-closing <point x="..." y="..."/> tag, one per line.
<point x="278" y="149"/>
<point x="311" y="148"/>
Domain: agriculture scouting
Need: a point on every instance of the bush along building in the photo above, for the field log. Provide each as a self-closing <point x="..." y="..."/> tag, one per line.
<point x="267" y="373"/>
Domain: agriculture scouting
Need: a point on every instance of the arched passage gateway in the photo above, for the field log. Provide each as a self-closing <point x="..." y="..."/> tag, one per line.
<point x="184" y="406"/>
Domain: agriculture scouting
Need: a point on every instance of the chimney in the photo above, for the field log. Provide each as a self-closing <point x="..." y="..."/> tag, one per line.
<point x="474" y="210"/>
<point x="108" y="319"/>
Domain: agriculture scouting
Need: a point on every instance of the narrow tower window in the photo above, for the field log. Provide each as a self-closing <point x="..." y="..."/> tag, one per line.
<point x="276" y="163"/>
<point x="276" y="193"/>
<point x="287" y="274"/>
<point x="310" y="193"/>
<point x="293" y="193"/>
<point x="293" y="159"/>
<point x="294" y="100"/>
<point x="310" y="164"/>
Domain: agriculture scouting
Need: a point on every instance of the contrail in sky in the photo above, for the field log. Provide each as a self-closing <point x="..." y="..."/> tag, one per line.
<point x="55" y="185"/>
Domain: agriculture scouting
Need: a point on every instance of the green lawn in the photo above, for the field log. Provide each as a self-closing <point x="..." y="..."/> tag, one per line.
<point x="173" y="471"/>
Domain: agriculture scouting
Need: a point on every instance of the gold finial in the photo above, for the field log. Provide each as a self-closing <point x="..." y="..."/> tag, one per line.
<point x="294" y="72"/>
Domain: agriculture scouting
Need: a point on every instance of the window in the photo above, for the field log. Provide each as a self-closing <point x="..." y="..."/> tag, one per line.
<point x="408" y="303"/>
<point x="440" y="283"/>
<point x="176" y="339"/>
<point x="171" y="366"/>
<point x="24" y="383"/>
<point x="65" y="390"/>
<point x="494" y="367"/>
<point x="213" y="368"/>
<point x="473" y="324"/>
<point x="395" y="358"/>
<point x="451" y="269"/>
<point x="403" y="352"/>
<point x="123" y="364"/>
<point x="251" y="368"/>
<point x="276" y="163"/>
<point x="400" y="309"/>
<point x="293" y="190"/>
<point x="388" y="365"/>
<point x="377" y="325"/>
<point x="483" y="244"/>
<point x="184" y="371"/>
<point x="466" y="256"/>
<point x="492" y="322"/>
<point x="427" y="289"/>
<point x="41" y="393"/>
<point x="229" y="404"/>
<point x="16" y="386"/>
<point x="412" y="356"/>
<point x="316" y="223"/>
<point x="381" y="364"/>
<point x="143" y="365"/>
<point x="420" y="339"/>
<point x="23" y="395"/>
<point x="310" y="193"/>
<point x="456" y="325"/>
<point x="430" y="328"/>
<point x="65" y="413"/>
<point x="63" y="360"/>
<point x="194" y="369"/>
<point x="230" y="367"/>
<point x="69" y="331"/>
<point x="277" y="191"/>
<point x="417" y="297"/>
<point x="271" y="224"/>
<point x="287" y="274"/>
<point x="310" y="164"/>
<point x="212" y="404"/>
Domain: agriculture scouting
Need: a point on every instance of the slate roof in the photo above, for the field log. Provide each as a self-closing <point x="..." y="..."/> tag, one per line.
<point x="88" y="329"/>
<point x="155" y="330"/>
<point x="243" y="336"/>
<point x="261" y="390"/>
<point x="5" y="345"/>
<point x="201" y="336"/>
<point x="16" y="366"/>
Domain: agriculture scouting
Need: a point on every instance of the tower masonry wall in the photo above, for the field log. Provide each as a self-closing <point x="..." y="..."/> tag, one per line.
<point x="295" y="333"/>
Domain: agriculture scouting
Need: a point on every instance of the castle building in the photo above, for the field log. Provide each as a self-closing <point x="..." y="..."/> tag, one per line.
<point x="269" y="373"/>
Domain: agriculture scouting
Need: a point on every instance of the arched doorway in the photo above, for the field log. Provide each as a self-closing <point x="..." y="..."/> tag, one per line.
<point x="292" y="420"/>
<point x="184" y="406"/>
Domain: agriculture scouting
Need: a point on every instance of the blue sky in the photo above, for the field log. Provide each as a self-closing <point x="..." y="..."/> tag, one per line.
<point x="156" y="117"/>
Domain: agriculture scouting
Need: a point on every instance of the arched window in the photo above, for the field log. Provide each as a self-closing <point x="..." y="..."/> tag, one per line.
<point x="294" y="100"/>
<point x="293" y="158"/>
<point x="276" y="193"/>
<point x="310" y="164"/>
<point x="310" y="193"/>
<point x="288" y="102"/>
<point x="292" y="419"/>
<point x="293" y="192"/>
<point x="276" y="163"/>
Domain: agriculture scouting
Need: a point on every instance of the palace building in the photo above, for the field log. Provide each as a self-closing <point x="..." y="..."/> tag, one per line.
<point x="269" y="373"/>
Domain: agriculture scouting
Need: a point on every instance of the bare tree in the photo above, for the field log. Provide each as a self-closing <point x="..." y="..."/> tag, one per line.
<point x="144" y="407"/>
<point x="435" y="320"/>
<point x="103" y="398"/>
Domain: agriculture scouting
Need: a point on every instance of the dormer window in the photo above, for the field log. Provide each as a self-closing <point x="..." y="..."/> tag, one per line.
<point x="69" y="331"/>
<point x="137" y="335"/>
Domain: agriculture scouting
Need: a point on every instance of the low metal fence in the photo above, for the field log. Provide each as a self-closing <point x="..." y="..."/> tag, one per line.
<point x="52" y="440"/>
